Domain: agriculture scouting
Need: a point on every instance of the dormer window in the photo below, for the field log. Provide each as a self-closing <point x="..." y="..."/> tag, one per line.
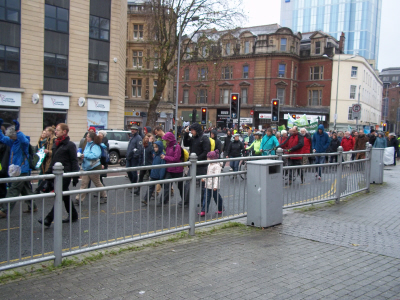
<point x="283" y="44"/>
<point x="228" y="49"/>
<point x="246" y="47"/>
<point x="204" y="51"/>
<point x="318" y="48"/>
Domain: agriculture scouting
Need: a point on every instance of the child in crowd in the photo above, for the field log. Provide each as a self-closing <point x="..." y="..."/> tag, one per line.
<point x="155" y="174"/>
<point x="212" y="184"/>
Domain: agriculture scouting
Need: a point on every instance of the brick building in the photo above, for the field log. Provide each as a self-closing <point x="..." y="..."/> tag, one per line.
<point x="261" y="63"/>
<point x="391" y="98"/>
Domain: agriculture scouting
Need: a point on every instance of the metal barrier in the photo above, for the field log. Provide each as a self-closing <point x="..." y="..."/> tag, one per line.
<point x="126" y="217"/>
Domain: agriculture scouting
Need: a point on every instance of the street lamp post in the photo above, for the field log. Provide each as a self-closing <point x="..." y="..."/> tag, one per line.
<point x="177" y="75"/>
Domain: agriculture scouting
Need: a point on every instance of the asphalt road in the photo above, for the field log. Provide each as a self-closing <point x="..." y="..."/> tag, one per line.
<point x="124" y="215"/>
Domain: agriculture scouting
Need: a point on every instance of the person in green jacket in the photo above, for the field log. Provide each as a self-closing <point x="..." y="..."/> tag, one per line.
<point x="256" y="145"/>
<point x="268" y="143"/>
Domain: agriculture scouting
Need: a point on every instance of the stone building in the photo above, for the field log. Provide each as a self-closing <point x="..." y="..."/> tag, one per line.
<point x="62" y="61"/>
<point x="261" y="63"/>
<point x="391" y="98"/>
<point x="141" y="71"/>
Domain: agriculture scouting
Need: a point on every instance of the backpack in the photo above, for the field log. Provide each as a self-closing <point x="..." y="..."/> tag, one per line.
<point x="184" y="154"/>
<point x="104" y="156"/>
<point x="32" y="157"/>
<point x="212" y="143"/>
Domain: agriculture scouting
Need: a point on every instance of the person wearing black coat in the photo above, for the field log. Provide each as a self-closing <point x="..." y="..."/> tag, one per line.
<point x="64" y="152"/>
<point x="333" y="147"/>
<point x="4" y="161"/>
<point x="228" y="140"/>
<point x="235" y="149"/>
<point x="199" y="144"/>
<point x="218" y="144"/>
<point x="372" y="137"/>
<point x="147" y="155"/>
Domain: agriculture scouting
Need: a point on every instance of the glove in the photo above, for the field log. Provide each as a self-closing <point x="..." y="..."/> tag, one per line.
<point x="1" y="122"/>
<point x="75" y="181"/>
<point x="16" y="125"/>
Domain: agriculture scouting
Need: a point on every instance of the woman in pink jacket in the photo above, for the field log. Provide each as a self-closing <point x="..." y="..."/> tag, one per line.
<point x="172" y="155"/>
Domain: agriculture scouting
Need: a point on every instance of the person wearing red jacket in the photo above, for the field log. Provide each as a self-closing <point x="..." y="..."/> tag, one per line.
<point x="348" y="145"/>
<point x="307" y="145"/>
<point x="294" y="145"/>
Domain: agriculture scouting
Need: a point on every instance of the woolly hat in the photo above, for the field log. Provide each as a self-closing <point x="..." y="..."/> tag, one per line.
<point x="92" y="128"/>
<point x="213" y="154"/>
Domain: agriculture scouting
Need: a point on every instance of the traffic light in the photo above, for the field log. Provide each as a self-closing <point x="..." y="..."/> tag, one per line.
<point x="384" y="126"/>
<point x="294" y="117"/>
<point x="234" y="105"/>
<point x="203" y="115"/>
<point x="275" y="110"/>
<point x="194" y="114"/>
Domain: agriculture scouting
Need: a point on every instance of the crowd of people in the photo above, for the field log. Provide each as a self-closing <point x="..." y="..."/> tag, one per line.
<point x="156" y="147"/>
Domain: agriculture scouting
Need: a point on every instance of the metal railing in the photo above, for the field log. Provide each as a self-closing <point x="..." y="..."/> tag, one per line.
<point x="127" y="217"/>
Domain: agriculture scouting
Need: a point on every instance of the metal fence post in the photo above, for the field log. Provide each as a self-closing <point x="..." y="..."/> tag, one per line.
<point x="368" y="165"/>
<point x="339" y="174"/>
<point x="279" y="152"/>
<point x="192" y="193"/>
<point x="58" y="170"/>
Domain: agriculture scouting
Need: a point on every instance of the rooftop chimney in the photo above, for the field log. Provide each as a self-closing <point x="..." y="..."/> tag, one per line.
<point x="341" y="43"/>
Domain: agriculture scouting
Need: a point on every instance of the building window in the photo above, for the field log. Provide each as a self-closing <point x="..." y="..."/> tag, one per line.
<point x="353" y="89"/>
<point x="98" y="71"/>
<point x="294" y="97"/>
<point x="316" y="73"/>
<point x="245" y="71"/>
<point x="385" y="78"/>
<point x="186" y="74"/>
<point x="99" y="28"/>
<point x="246" y="47"/>
<point x="354" y="72"/>
<point x="228" y="49"/>
<point x="202" y="73"/>
<point x="137" y="88"/>
<point x="295" y="73"/>
<point x="185" y="96"/>
<point x="350" y="114"/>
<point x="280" y="94"/>
<point x="155" y="82"/>
<point x="9" y="59"/>
<point x="318" y="48"/>
<point x="227" y="73"/>
<point x="315" y="97"/>
<point x="283" y="44"/>
<point x="281" y="72"/>
<point x="156" y="61"/>
<point x="56" y="18"/>
<point x="137" y="59"/>
<point x="224" y="96"/>
<point x="244" y="96"/>
<point x="138" y="32"/>
<point x="10" y="10"/>
<point x="55" y="65"/>
<point x="188" y="53"/>
<point x="202" y="96"/>
<point x="395" y="78"/>
<point x="204" y="51"/>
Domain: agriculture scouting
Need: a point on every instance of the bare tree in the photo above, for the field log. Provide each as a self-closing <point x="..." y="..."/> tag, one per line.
<point x="170" y="18"/>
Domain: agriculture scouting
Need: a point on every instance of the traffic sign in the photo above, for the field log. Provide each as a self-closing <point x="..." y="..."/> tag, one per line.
<point x="356" y="111"/>
<point x="252" y="112"/>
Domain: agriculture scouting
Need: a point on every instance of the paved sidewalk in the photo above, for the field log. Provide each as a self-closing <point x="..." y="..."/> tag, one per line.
<point x="345" y="251"/>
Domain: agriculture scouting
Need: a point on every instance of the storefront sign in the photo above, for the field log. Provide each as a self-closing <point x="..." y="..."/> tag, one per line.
<point x="55" y="102"/>
<point x="264" y="116"/>
<point x="222" y="114"/>
<point x="10" y="99"/>
<point x="98" y="104"/>
<point x="244" y="121"/>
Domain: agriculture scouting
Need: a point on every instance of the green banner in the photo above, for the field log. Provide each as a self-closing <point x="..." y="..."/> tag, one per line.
<point x="311" y="128"/>
<point x="282" y="127"/>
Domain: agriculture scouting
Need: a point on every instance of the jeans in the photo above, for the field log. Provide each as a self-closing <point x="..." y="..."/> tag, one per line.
<point x="167" y="187"/>
<point x="207" y="197"/>
<point x="132" y="175"/>
<point x="235" y="165"/>
<point x="67" y="203"/>
<point x="333" y="158"/>
<point x="21" y="187"/>
<point x="319" y="160"/>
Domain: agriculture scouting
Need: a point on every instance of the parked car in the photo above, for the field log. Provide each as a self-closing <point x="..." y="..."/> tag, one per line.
<point x="118" y="141"/>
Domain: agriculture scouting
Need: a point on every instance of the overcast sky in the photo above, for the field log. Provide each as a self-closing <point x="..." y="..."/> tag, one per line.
<point x="261" y="12"/>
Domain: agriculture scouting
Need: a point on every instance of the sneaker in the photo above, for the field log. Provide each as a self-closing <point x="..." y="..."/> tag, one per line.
<point x="316" y="174"/>
<point x="103" y="200"/>
<point x="3" y="214"/>
<point x="202" y="214"/>
<point x="186" y="204"/>
<point x="219" y="212"/>
<point x="144" y="202"/>
<point x="319" y="177"/>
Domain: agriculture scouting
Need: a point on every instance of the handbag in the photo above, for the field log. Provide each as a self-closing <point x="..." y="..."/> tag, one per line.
<point x="14" y="170"/>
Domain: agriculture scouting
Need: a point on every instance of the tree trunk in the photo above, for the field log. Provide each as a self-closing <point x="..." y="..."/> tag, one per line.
<point x="152" y="111"/>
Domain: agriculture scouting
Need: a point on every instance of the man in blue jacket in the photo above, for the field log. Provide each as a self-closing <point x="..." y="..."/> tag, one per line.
<point x="320" y="143"/>
<point x="19" y="154"/>
<point x="134" y="155"/>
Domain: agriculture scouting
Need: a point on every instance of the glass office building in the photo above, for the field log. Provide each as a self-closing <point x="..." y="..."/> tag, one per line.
<point x="360" y="20"/>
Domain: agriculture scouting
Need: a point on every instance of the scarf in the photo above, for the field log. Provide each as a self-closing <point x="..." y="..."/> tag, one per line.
<point x="60" y="139"/>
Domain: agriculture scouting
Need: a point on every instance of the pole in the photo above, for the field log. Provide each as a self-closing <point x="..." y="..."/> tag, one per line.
<point x="358" y="102"/>
<point x="337" y="92"/>
<point x="239" y="100"/>
<point x="58" y="170"/>
<point x="192" y="193"/>
<point x="339" y="174"/>
<point x="177" y="82"/>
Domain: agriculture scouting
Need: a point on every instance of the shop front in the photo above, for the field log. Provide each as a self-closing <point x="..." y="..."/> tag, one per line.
<point x="10" y="103"/>
<point x="140" y="118"/>
<point x="97" y="113"/>
<point x="55" y="110"/>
